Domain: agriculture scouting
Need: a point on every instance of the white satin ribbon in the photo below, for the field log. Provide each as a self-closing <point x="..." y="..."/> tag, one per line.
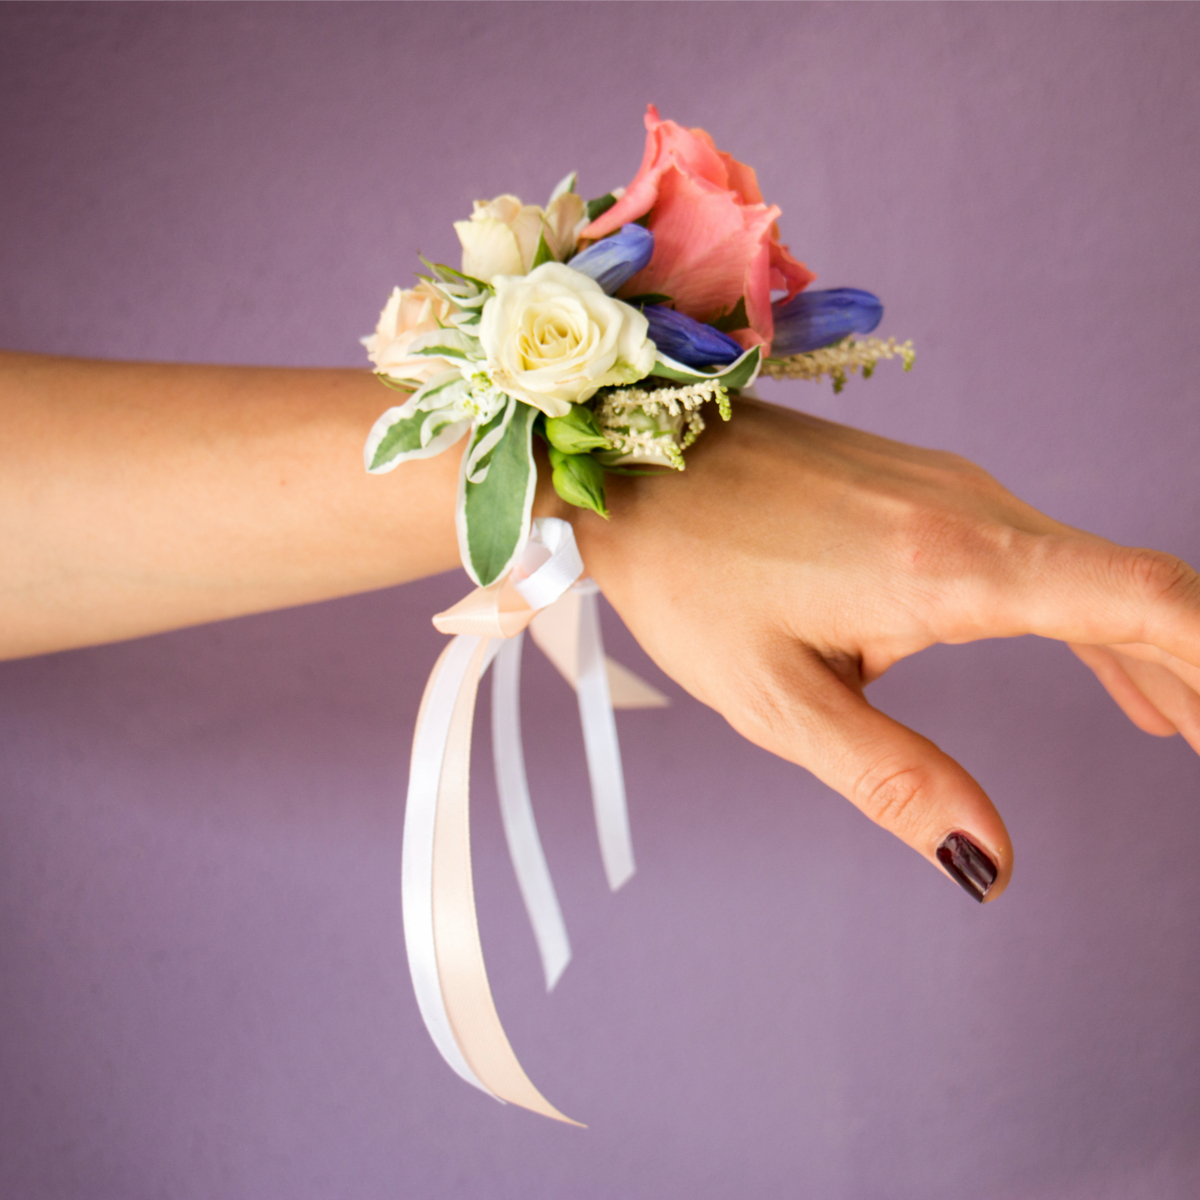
<point x="416" y="864"/>
<point x="440" y="925"/>
<point x="600" y="742"/>
<point x="516" y="811"/>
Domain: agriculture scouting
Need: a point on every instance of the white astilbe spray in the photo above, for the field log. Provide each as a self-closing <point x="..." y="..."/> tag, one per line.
<point x="655" y="426"/>
<point x="847" y="357"/>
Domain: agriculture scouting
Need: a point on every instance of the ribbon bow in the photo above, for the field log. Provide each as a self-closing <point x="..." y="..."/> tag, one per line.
<point x="545" y="592"/>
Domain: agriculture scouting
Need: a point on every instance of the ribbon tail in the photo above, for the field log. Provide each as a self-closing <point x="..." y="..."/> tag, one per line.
<point x="516" y="811"/>
<point x="600" y="742"/>
<point x="555" y="631"/>
<point x="416" y="869"/>
<point x="440" y="927"/>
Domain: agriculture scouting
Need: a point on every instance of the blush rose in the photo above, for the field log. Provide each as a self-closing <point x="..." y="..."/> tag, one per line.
<point x="409" y="313"/>
<point x="716" y="243"/>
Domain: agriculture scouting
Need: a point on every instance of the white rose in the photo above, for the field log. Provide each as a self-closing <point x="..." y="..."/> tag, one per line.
<point x="501" y="238"/>
<point x="552" y="338"/>
<point x="408" y="314"/>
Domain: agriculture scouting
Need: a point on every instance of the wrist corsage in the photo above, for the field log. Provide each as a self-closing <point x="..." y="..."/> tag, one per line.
<point x="607" y="328"/>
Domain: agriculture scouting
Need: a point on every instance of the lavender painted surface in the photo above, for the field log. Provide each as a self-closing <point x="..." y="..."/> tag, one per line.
<point x="202" y="985"/>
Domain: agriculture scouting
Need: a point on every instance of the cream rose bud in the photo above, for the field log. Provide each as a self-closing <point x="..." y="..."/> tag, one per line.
<point x="565" y="215"/>
<point x="553" y="338"/>
<point x="408" y="313"/>
<point x="501" y="238"/>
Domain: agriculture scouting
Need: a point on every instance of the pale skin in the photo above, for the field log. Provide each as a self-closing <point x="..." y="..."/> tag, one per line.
<point x="791" y="564"/>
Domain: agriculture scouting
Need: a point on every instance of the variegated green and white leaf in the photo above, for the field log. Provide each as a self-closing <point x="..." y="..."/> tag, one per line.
<point x="479" y="456"/>
<point x="402" y="434"/>
<point x="449" y="294"/>
<point x="493" y="514"/>
<point x="469" y="314"/>
<point x="437" y="422"/>
<point x="739" y="374"/>
<point x="450" y="277"/>
<point x="445" y="388"/>
<point x="445" y="343"/>
<point x="397" y="383"/>
<point x="474" y="300"/>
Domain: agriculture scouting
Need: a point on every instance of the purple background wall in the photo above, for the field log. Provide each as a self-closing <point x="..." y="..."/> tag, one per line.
<point x="202" y="984"/>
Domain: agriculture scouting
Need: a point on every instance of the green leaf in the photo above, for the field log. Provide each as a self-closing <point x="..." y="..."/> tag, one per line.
<point x="446" y="274"/>
<point x="445" y="342"/>
<point x="576" y="433"/>
<point x="542" y="254"/>
<point x="579" y="480"/>
<point x="491" y="434"/>
<point x="649" y="298"/>
<point x="600" y="205"/>
<point x="403" y="436"/>
<point x="396" y="437"/>
<point x="397" y="385"/>
<point x="442" y="390"/>
<point x="735" y="318"/>
<point x="493" y="516"/>
<point x="737" y="375"/>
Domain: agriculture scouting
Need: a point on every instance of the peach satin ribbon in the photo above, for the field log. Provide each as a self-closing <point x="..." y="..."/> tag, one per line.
<point x="440" y="927"/>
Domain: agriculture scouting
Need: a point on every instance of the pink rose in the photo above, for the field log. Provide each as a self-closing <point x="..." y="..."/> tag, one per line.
<point x="715" y="241"/>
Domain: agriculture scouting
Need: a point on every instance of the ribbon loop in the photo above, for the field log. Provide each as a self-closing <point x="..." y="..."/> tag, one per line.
<point x="549" y="565"/>
<point x="541" y="584"/>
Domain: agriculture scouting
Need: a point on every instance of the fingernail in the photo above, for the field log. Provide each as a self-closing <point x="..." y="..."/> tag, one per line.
<point x="968" y="864"/>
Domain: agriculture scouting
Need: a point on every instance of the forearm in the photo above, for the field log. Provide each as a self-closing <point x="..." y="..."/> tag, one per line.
<point x="141" y="497"/>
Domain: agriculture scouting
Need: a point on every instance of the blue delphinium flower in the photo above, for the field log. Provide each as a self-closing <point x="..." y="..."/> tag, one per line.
<point x="815" y="319"/>
<point x="687" y="341"/>
<point x="615" y="260"/>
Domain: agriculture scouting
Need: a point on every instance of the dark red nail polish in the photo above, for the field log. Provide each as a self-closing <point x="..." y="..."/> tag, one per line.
<point x="968" y="864"/>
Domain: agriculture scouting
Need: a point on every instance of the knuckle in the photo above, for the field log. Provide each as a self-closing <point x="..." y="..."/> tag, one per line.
<point x="953" y="563"/>
<point x="1157" y="576"/>
<point x="894" y="797"/>
<point x="928" y="536"/>
<point x="943" y="538"/>
<point x="767" y="713"/>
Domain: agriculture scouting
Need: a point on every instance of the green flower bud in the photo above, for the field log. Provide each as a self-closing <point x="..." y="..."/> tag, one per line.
<point x="579" y="480"/>
<point x="576" y="433"/>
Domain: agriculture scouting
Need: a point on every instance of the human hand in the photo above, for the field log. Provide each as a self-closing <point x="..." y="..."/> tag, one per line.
<point x="796" y="560"/>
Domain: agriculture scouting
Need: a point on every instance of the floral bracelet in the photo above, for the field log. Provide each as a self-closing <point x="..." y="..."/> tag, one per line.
<point x="604" y="327"/>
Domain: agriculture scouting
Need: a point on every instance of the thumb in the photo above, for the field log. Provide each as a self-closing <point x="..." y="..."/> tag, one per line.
<point x="901" y="780"/>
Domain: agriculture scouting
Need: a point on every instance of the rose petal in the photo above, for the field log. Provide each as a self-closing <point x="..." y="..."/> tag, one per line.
<point x="667" y="145"/>
<point x="742" y="179"/>
<point x="703" y="240"/>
